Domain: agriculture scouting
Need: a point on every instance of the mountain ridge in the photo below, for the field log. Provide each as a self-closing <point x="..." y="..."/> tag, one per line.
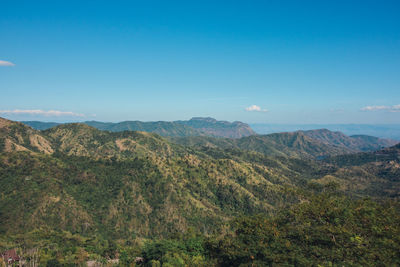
<point x="210" y="127"/>
<point x="196" y="126"/>
<point x="314" y="144"/>
<point x="354" y="142"/>
<point x="389" y="131"/>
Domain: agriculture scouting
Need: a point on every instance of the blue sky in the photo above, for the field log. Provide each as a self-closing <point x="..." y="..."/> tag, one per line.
<point x="254" y="61"/>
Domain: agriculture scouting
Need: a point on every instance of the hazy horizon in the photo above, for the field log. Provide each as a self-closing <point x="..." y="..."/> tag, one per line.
<point x="184" y="119"/>
<point x="390" y="131"/>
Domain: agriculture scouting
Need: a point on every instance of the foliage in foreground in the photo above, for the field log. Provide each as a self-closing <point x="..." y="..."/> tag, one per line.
<point x="326" y="229"/>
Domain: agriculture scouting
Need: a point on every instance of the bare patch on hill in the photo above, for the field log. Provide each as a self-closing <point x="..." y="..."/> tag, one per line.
<point x="41" y="143"/>
<point x="121" y="144"/>
<point x="10" y="146"/>
<point x="20" y="138"/>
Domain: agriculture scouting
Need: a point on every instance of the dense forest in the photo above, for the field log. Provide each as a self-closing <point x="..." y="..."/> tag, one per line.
<point x="73" y="194"/>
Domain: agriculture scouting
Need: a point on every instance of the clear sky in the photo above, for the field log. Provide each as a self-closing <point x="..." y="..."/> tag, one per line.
<point x="254" y="61"/>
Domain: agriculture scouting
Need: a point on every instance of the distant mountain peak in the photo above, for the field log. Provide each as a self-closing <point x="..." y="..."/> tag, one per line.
<point x="213" y="127"/>
<point x="205" y="119"/>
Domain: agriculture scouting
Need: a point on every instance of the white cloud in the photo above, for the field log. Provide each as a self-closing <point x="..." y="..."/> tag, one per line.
<point x="6" y="63"/>
<point x="394" y="108"/>
<point x="373" y="108"/>
<point x="41" y="112"/>
<point x="256" y="108"/>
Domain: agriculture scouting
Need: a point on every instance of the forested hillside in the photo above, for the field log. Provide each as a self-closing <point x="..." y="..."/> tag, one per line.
<point x="76" y="193"/>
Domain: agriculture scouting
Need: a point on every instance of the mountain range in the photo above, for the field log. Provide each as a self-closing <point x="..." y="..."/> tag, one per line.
<point x="310" y="144"/>
<point x="239" y="135"/>
<point x="78" y="178"/>
<point x="197" y="126"/>
<point x="391" y="131"/>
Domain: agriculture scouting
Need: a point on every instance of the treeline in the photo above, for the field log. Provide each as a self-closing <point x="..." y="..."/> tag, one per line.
<point x="326" y="229"/>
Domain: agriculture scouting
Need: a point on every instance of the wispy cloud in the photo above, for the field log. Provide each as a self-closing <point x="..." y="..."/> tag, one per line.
<point x="394" y="108"/>
<point x="256" y="109"/>
<point x="40" y="112"/>
<point x="6" y="63"/>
